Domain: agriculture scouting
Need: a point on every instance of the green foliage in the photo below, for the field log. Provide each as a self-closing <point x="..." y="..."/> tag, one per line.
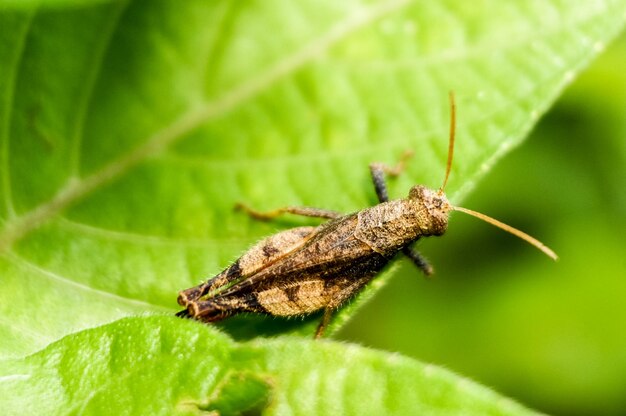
<point x="129" y="130"/>
<point x="160" y="365"/>
<point x="550" y="335"/>
<point x="31" y="4"/>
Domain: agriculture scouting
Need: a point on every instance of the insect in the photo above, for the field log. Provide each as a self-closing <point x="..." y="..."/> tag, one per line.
<point x="306" y="269"/>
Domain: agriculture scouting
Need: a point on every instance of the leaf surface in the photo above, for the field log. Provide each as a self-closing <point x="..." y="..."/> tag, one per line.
<point x="160" y="366"/>
<point x="130" y="129"/>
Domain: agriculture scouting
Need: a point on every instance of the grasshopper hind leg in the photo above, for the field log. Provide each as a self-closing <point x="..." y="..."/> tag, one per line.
<point x="345" y="292"/>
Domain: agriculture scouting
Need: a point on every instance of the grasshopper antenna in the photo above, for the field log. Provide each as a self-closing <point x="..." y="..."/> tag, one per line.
<point x="451" y="141"/>
<point x="531" y="240"/>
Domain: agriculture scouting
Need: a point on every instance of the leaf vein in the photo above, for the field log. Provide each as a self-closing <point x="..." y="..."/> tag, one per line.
<point x="24" y="263"/>
<point x="9" y="99"/>
<point x="136" y="238"/>
<point x="77" y="189"/>
<point x="90" y="83"/>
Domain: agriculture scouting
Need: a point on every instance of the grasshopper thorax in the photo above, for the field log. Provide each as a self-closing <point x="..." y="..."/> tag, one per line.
<point x="432" y="208"/>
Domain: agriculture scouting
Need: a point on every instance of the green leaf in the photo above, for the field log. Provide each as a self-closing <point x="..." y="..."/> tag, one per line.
<point x="31" y="4"/>
<point x="550" y="335"/>
<point x="130" y="129"/>
<point x="159" y="365"/>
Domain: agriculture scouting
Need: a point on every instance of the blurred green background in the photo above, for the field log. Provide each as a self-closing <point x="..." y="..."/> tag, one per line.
<point x="551" y="335"/>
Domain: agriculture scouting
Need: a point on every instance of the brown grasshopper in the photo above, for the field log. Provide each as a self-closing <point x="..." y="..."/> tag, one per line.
<point x="305" y="269"/>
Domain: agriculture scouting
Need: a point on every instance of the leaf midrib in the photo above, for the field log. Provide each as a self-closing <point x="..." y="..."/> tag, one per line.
<point x="24" y="263"/>
<point x="84" y="102"/>
<point x="4" y="133"/>
<point x="77" y="188"/>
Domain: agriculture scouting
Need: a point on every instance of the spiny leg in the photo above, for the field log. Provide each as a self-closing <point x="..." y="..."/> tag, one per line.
<point x="304" y="211"/>
<point x="183" y="314"/>
<point x="328" y="313"/>
<point x="418" y="260"/>
<point x="378" y="171"/>
<point x="337" y="299"/>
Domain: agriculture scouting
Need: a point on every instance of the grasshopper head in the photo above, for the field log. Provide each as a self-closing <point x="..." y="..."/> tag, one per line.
<point x="432" y="209"/>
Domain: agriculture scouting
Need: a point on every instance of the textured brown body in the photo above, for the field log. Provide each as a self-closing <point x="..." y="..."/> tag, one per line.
<point x="305" y="269"/>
